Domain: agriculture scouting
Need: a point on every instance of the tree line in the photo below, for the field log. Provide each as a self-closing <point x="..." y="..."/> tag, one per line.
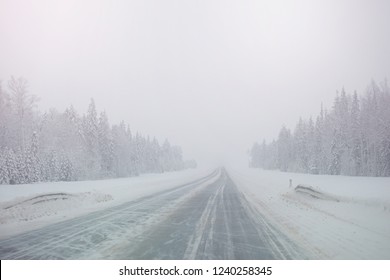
<point x="353" y="138"/>
<point x="67" y="146"/>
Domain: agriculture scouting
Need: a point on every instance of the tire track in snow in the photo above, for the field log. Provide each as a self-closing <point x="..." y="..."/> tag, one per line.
<point x="55" y="241"/>
<point x="206" y="219"/>
<point x="216" y="223"/>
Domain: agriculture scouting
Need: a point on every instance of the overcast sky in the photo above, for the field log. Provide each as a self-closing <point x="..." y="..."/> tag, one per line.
<point x="211" y="76"/>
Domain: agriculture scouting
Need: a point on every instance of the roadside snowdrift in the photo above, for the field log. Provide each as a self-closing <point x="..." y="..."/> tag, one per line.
<point x="50" y="204"/>
<point x="309" y="190"/>
<point x="332" y="217"/>
<point x="30" y="206"/>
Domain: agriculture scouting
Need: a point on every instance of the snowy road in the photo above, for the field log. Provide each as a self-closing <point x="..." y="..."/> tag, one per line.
<point x="206" y="219"/>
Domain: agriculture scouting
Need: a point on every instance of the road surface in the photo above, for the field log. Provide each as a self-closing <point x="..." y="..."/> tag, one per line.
<point x="205" y="219"/>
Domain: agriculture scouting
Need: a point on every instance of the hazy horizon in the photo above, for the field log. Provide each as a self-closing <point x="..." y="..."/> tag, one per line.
<point x="211" y="76"/>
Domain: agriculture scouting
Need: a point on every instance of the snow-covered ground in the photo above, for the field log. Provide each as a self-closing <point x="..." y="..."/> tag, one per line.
<point x="31" y="206"/>
<point x="329" y="217"/>
<point x="332" y="217"/>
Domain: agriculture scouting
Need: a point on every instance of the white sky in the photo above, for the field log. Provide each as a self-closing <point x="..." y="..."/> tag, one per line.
<point x="211" y="76"/>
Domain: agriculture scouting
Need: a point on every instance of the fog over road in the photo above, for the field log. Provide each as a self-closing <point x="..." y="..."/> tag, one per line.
<point x="205" y="219"/>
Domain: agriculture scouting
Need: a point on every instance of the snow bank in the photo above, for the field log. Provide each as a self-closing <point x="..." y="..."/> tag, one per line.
<point x="332" y="217"/>
<point x="48" y="204"/>
<point x="309" y="190"/>
<point x="30" y="206"/>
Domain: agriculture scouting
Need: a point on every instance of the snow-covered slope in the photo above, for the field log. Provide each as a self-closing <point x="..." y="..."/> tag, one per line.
<point x="30" y="206"/>
<point x="332" y="217"/>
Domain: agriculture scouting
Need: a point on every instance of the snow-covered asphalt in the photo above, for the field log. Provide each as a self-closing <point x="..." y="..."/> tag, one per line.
<point x="205" y="219"/>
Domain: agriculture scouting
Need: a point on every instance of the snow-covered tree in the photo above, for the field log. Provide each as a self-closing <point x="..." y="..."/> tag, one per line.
<point x="62" y="146"/>
<point x="106" y="146"/>
<point x="91" y="138"/>
<point x="284" y="149"/>
<point x="353" y="138"/>
<point x="22" y="105"/>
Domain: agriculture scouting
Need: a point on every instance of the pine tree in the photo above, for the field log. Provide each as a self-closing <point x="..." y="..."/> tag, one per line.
<point x="352" y="139"/>
<point x="255" y="154"/>
<point x="383" y="127"/>
<point x="301" y="147"/>
<point x="105" y="146"/>
<point x="90" y="132"/>
<point x="356" y="153"/>
<point x="320" y="159"/>
<point x="284" y="149"/>
<point x="4" y="117"/>
<point x="22" y="105"/>
<point x="4" y="176"/>
<point x="56" y="146"/>
<point x="11" y="167"/>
